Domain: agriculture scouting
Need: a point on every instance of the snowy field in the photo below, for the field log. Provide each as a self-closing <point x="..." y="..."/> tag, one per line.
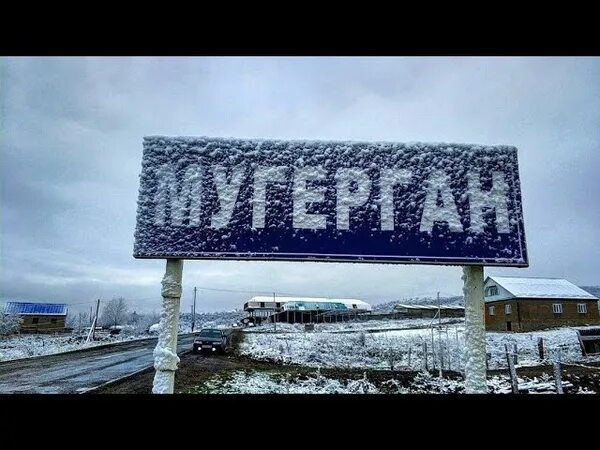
<point x="401" y="348"/>
<point x="257" y="382"/>
<point x="350" y="326"/>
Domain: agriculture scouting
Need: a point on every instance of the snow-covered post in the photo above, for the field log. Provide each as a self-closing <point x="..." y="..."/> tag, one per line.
<point x="165" y="353"/>
<point x="557" y="374"/>
<point x="475" y="373"/>
<point x="514" y="381"/>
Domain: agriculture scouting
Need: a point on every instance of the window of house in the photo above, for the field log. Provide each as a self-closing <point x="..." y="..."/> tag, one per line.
<point x="557" y="308"/>
<point x="262" y="304"/>
<point x="491" y="290"/>
<point x="353" y="306"/>
<point x="507" y="309"/>
<point x="35" y="320"/>
<point x="581" y="308"/>
<point x="492" y="310"/>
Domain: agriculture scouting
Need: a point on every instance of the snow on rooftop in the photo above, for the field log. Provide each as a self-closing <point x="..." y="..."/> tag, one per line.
<point x="27" y="308"/>
<point x="278" y="299"/>
<point x="542" y="288"/>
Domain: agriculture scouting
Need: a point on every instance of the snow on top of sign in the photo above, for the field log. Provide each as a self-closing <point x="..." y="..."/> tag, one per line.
<point x="542" y="288"/>
<point x="312" y="142"/>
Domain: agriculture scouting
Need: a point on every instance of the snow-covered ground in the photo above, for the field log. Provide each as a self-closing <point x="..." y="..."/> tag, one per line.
<point x="266" y="383"/>
<point x="350" y="326"/>
<point x="258" y="382"/>
<point x="401" y="348"/>
<point x="28" y="345"/>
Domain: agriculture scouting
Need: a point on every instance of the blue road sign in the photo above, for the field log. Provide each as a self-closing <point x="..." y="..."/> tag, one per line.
<point x="417" y="203"/>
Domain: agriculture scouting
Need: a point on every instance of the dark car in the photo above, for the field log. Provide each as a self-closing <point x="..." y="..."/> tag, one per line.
<point x="211" y="340"/>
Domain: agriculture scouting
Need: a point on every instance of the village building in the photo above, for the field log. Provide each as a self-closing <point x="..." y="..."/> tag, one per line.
<point x="414" y="311"/>
<point x="303" y="309"/>
<point x="527" y="304"/>
<point x="39" y="317"/>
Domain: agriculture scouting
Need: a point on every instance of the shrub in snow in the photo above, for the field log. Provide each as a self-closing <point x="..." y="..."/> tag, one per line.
<point x="362" y="386"/>
<point x="362" y="338"/>
<point x="9" y="323"/>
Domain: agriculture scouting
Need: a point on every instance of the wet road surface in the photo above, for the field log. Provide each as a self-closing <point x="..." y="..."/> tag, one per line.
<point x="70" y="373"/>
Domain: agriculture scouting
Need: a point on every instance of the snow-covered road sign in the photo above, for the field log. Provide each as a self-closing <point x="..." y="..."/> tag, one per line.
<point x="217" y="198"/>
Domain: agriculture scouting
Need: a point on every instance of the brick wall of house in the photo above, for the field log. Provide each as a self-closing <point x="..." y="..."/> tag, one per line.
<point x="45" y="323"/>
<point x="536" y="314"/>
<point x="498" y="321"/>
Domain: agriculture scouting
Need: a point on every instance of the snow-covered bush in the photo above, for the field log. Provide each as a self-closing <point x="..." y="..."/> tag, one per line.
<point x="9" y="323"/>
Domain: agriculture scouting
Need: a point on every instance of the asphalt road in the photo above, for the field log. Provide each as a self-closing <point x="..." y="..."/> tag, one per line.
<point x="70" y="373"/>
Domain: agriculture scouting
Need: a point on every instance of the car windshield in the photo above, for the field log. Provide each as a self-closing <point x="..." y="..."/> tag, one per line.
<point x="210" y="333"/>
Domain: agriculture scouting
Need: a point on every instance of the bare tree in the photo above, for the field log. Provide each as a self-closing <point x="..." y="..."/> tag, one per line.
<point x="78" y="322"/>
<point x="71" y="320"/>
<point x="9" y="323"/>
<point x="115" y="312"/>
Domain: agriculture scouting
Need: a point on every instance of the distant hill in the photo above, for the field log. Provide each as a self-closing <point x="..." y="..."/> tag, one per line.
<point x="389" y="306"/>
<point x="594" y="290"/>
<point x="456" y="300"/>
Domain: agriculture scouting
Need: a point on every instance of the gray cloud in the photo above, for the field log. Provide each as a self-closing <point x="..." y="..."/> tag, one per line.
<point x="71" y="135"/>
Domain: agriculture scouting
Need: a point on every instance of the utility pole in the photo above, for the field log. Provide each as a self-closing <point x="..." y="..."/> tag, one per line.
<point x="95" y="320"/>
<point x="194" y="310"/>
<point x="439" y="310"/>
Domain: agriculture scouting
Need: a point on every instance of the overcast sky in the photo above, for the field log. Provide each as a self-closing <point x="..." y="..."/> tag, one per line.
<point x="71" y="144"/>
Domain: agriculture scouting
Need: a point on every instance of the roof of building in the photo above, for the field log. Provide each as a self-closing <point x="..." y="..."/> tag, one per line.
<point x="542" y="288"/>
<point x="38" y="309"/>
<point x="317" y="306"/>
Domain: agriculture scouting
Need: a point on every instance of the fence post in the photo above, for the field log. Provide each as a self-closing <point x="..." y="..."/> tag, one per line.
<point x="581" y="345"/>
<point x="513" y="373"/>
<point x="557" y="374"/>
<point x="515" y="354"/>
<point x="541" y="348"/>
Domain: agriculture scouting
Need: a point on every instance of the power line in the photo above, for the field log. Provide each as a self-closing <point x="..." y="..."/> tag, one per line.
<point x="247" y="291"/>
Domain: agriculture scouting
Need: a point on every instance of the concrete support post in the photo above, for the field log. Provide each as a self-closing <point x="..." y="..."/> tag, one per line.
<point x="475" y="357"/>
<point x="165" y="353"/>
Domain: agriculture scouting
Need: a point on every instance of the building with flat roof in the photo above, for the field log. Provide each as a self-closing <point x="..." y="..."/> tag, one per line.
<point x="413" y="311"/>
<point x="303" y="309"/>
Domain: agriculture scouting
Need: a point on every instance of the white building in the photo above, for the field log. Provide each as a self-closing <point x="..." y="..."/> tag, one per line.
<point x="303" y="309"/>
